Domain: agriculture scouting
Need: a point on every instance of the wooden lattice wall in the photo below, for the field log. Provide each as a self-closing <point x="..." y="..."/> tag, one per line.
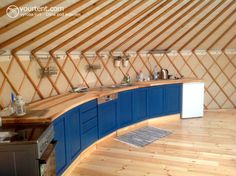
<point x="218" y="70"/>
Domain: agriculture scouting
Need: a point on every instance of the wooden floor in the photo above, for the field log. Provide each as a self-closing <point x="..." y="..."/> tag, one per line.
<point x="197" y="147"/>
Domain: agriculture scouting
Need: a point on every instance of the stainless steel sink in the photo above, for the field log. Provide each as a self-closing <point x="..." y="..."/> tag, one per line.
<point x="120" y="85"/>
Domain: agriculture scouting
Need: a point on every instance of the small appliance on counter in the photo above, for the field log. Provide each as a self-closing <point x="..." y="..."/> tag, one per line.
<point x="27" y="150"/>
<point x="163" y="74"/>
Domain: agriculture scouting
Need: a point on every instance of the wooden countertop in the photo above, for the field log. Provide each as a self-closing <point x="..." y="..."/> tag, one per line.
<point x="49" y="109"/>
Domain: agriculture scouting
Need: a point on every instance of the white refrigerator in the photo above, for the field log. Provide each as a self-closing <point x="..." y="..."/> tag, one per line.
<point x="192" y="100"/>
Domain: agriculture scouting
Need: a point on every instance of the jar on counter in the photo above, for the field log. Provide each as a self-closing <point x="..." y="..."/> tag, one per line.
<point x="19" y="105"/>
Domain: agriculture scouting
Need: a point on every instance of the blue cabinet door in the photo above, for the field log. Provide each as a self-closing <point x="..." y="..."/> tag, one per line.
<point x="140" y="104"/>
<point x="124" y="108"/>
<point x="156" y="101"/>
<point x="173" y="99"/>
<point x="107" y="122"/>
<point x="73" y="133"/>
<point x="60" y="136"/>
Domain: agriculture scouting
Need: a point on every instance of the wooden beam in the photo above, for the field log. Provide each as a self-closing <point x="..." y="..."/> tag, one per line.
<point x="105" y="66"/>
<point x="215" y="29"/>
<point x="23" y="19"/>
<point x="147" y="25"/>
<point x="208" y="24"/>
<point x="75" y="26"/>
<point x="113" y="3"/>
<point x="192" y="70"/>
<point x="9" y="81"/>
<point x="27" y="75"/>
<point x="154" y="11"/>
<point x="61" y="70"/>
<point x="172" y="23"/>
<point x="222" y="35"/>
<point x="108" y="25"/>
<point x="42" y="24"/>
<point x="212" y="77"/>
<point x="230" y="41"/>
<point x="48" y="77"/>
<point x="16" y="3"/>
<point x="76" y="68"/>
<point x="92" y="70"/>
<point x="123" y="25"/>
<point x="184" y="24"/>
<point x="159" y="25"/>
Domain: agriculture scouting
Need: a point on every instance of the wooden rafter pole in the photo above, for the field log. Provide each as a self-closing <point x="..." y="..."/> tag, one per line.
<point x="208" y="24"/>
<point x="159" y="25"/>
<point x="23" y="19"/>
<point x="210" y="34"/>
<point x="110" y="5"/>
<point x="108" y="25"/>
<point x="153" y="11"/>
<point x="172" y="23"/>
<point x="215" y="29"/>
<point x="123" y="25"/>
<point x="44" y="23"/>
<point x="58" y="26"/>
<point x="16" y="3"/>
<point x="146" y="26"/>
<point x="183" y="25"/>
<point x="222" y="35"/>
<point x="75" y="26"/>
<point x="195" y="25"/>
<point x="27" y="75"/>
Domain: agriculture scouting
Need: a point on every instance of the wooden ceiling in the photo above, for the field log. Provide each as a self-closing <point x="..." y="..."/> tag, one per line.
<point x="120" y="25"/>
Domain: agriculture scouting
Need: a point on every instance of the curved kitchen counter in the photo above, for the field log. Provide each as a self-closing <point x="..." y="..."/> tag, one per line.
<point x="47" y="110"/>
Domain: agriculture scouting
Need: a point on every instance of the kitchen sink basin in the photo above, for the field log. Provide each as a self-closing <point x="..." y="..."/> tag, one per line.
<point x="120" y="85"/>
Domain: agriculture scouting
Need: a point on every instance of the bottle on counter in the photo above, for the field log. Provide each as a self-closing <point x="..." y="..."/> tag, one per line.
<point x="155" y="73"/>
<point x="19" y="105"/>
<point x="140" y="76"/>
<point x="127" y="79"/>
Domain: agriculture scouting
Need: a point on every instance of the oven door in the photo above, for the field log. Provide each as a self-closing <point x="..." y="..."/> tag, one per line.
<point x="47" y="162"/>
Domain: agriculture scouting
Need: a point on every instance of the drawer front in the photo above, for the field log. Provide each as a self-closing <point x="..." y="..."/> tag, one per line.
<point x="89" y="137"/>
<point x="88" y="125"/>
<point x="89" y="105"/>
<point x="88" y="115"/>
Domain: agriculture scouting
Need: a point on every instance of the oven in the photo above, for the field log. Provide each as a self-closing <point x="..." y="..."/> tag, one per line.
<point x="27" y="150"/>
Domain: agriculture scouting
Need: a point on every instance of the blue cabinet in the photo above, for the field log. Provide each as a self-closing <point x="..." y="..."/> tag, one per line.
<point x="83" y="125"/>
<point x="156" y="101"/>
<point x="140" y="110"/>
<point x="72" y="120"/>
<point x="67" y="134"/>
<point x="88" y="123"/>
<point x="173" y="99"/>
<point x="124" y="108"/>
<point x="107" y="122"/>
<point x="60" y="136"/>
